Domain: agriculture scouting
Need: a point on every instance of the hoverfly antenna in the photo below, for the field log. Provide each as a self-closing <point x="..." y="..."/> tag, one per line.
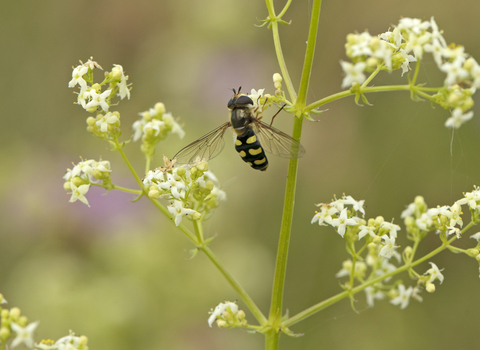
<point x="234" y="92"/>
<point x="240" y="88"/>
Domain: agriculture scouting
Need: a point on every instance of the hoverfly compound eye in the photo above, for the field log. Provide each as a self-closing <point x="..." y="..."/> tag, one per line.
<point x="244" y="100"/>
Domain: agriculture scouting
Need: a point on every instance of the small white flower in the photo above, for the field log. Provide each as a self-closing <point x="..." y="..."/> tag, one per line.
<point x="342" y="221"/>
<point x="403" y="297"/>
<point x="176" y="128"/>
<point x="413" y="25"/>
<point x="138" y="129"/>
<point x="24" y="334"/>
<point x="458" y="118"/>
<point x="178" y="211"/>
<point x="99" y="99"/>
<point x="357" y="205"/>
<point x="154" y="124"/>
<point x="454" y="215"/>
<point x="108" y="118"/>
<point x="69" y="342"/>
<point x="77" y="77"/>
<point x="366" y="230"/>
<point x="391" y="227"/>
<point x="78" y="193"/>
<point x="454" y="70"/>
<point x="424" y="222"/>
<point x="354" y="73"/>
<point x="407" y="59"/>
<point x="434" y="273"/>
<point x="220" y="309"/>
<point x="372" y="294"/>
<point x="476" y="236"/>
<point x="123" y="90"/>
<point x="83" y="96"/>
<point x="255" y="96"/>
<point x="389" y="247"/>
<point x="177" y="188"/>
<point x="325" y="215"/>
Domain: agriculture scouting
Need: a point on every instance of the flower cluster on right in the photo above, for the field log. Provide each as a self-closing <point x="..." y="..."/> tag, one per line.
<point x="380" y="243"/>
<point x="407" y="43"/>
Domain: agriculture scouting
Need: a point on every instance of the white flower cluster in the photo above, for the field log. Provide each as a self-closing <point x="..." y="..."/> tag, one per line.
<point x="91" y="96"/>
<point x="227" y="315"/>
<point x="191" y="190"/>
<point x="442" y="219"/>
<point x="14" y="324"/>
<point x="83" y="174"/>
<point x="408" y="42"/>
<point x="154" y="126"/>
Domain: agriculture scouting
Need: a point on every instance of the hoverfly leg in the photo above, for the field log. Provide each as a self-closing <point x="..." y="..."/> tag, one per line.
<point x="276" y="114"/>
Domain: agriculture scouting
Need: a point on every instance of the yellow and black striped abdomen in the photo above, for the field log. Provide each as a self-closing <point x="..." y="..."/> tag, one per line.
<point x="251" y="151"/>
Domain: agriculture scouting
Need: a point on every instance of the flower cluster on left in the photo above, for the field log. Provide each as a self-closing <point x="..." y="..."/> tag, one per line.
<point x="15" y="325"/>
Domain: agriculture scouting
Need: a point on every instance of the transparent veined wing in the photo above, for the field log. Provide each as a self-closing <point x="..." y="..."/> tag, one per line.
<point x="276" y="141"/>
<point x="207" y="147"/>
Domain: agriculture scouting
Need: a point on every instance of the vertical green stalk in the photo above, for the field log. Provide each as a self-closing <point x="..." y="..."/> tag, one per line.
<point x="289" y="202"/>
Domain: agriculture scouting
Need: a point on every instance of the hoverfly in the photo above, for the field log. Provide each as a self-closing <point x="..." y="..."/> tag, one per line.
<point x="253" y="138"/>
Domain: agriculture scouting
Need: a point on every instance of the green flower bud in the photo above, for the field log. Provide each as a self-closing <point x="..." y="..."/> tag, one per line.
<point x="430" y="287"/>
<point x="14" y="313"/>
<point x="116" y="74"/>
<point x="22" y="321"/>
<point x="153" y="193"/>
<point x="203" y="166"/>
<point x="160" y="108"/>
<point x="77" y="181"/>
<point x="4" y="334"/>
<point x="209" y="185"/>
<point x="181" y="171"/>
<point x="379" y="220"/>
<point x="67" y="186"/>
<point x="91" y="121"/>
<point x="196" y="216"/>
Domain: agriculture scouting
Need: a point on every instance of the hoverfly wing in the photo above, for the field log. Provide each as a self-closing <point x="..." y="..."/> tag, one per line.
<point x="276" y="141"/>
<point x="207" y="147"/>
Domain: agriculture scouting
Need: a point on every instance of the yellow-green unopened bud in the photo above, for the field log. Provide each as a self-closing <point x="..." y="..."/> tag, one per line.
<point x="91" y="109"/>
<point x="379" y="220"/>
<point x="241" y="314"/>
<point x="4" y="334"/>
<point x="193" y="171"/>
<point x="83" y="341"/>
<point x="196" y="216"/>
<point x="153" y="193"/>
<point x="91" y="121"/>
<point x="22" y="321"/>
<point x="372" y="62"/>
<point x="430" y="287"/>
<point x="181" y="171"/>
<point x="159" y="108"/>
<point x="97" y="87"/>
<point x="146" y="116"/>
<point x="221" y="324"/>
<point x="209" y="185"/>
<point x="277" y="78"/>
<point x="4" y="314"/>
<point x="467" y="104"/>
<point x="15" y="313"/>
<point x="78" y="181"/>
<point x="203" y="166"/>
<point x="377" y="239"/>
<point x="116" y="74"/>
<point x="67" y="186"/>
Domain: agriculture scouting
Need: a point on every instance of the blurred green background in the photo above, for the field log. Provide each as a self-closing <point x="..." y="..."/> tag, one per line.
<point x="120" y="273"/>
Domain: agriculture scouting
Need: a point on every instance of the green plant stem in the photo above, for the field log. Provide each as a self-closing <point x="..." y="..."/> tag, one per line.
<point x="278" y="49"/>
<point x="276" y="305"/>
<point x="324" y="304"/>
<point x="308" y="62"/>
<point x="124" y="189"/>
